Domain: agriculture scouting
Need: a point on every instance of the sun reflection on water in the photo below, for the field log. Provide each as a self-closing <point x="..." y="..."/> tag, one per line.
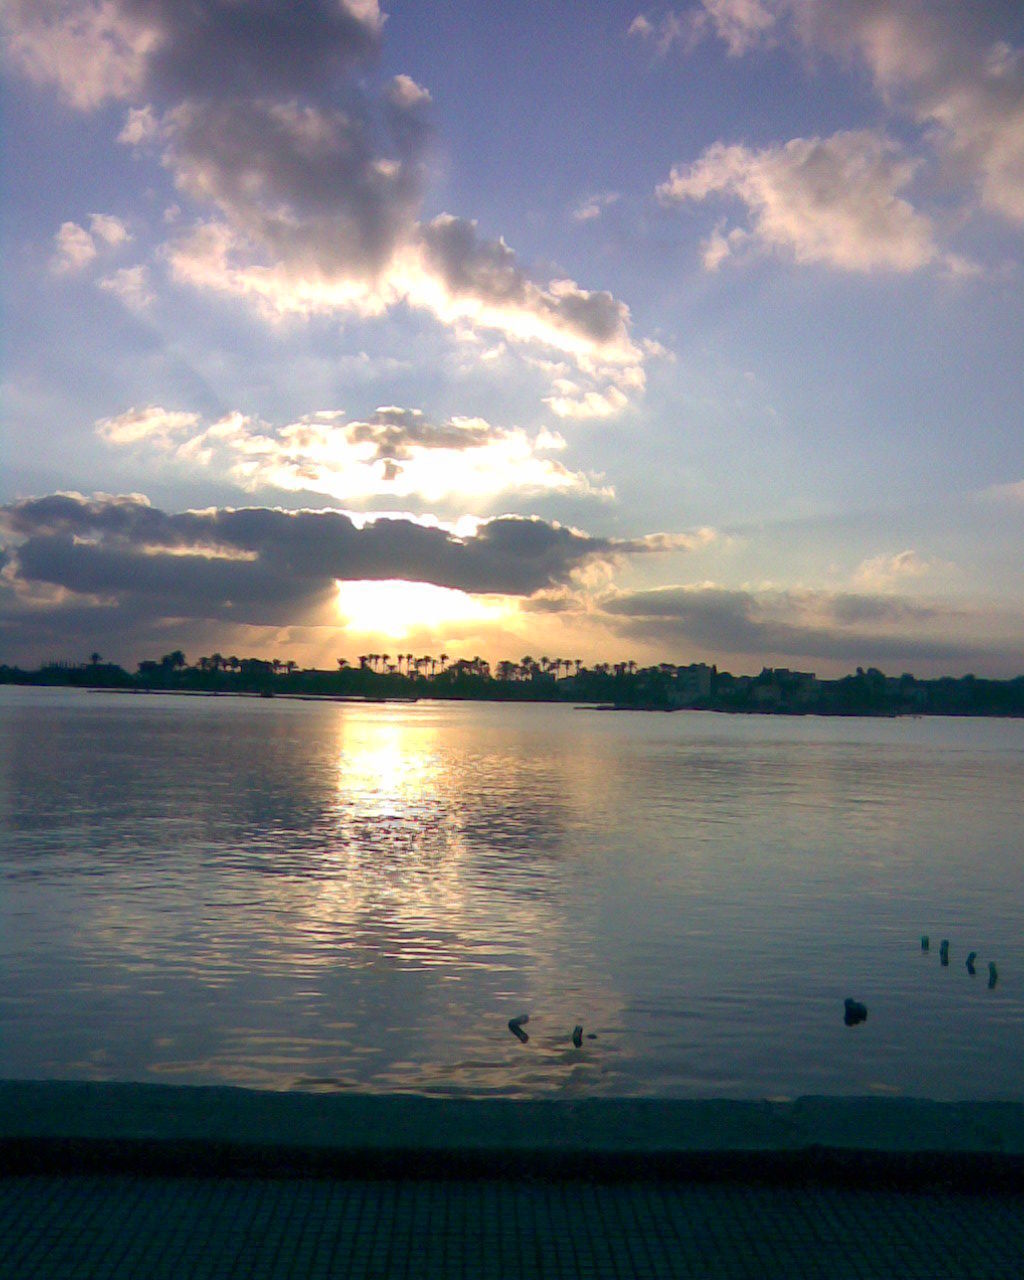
<point x="346" y="896"/>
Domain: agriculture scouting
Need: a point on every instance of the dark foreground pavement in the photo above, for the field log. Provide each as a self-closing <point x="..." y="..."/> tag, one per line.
<point x="110" y="1181"/>
<point x="52" y="1228"/>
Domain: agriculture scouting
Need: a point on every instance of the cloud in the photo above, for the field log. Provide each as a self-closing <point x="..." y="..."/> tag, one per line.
<point x="593" y="206"/>
<point x="795" y="625"/>
<point x="572" y="401"/>
<point x="686" y="29"/>
<point x="309" y="180"/>
<point x="879" y="572"/>
<point x="1011" y="493"/>
<point x="111" y="230"/>
<point x="95" y="51"/>
<point x="395" y="452"/>
<point x="76" y="248"/>
<point x="365" y="254"/>
<point x="483" y="281"/>
<point x="741" y="24"/>
<point x="936" y="63"/>
<point x="131" y="285"/>
<point x="151" y="423"/>
<point x="822" y="200"/>
<point x="119" y="566"/>
<point x="404" y="92"/>
<point x="326" y="194"/>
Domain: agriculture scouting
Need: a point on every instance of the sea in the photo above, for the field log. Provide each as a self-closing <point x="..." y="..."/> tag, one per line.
<point x="360" y="897"/>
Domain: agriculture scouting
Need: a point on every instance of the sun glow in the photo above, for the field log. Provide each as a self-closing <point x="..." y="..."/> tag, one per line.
<point x="395" y="608"/>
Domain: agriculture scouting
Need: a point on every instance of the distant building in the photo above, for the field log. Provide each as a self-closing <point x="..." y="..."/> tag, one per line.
<point x="692" y="684"/>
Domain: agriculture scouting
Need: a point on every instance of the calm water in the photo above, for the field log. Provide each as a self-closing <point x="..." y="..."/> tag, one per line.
<point x="298" y="895"/>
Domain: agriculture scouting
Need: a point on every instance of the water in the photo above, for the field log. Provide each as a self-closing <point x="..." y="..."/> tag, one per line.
<point x="322" y="896"/>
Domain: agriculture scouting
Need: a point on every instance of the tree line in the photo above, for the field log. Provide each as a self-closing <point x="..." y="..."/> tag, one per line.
<point x="623" y="685"/>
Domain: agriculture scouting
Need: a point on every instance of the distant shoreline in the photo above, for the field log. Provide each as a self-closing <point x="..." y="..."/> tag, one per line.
<point x="931" y="698"/>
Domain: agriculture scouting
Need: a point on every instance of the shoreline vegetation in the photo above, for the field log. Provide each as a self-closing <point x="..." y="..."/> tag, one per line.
<point x="621" y="686"/>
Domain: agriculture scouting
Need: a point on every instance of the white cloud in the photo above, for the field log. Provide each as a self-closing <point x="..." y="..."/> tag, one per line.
<point x="132" y="286"/>
<point x="141" y="127"/>
<point x="948" y="77"/>
<point x="829" y="200"/>
<point x="593" y="206"/>
<point x="75" y="249"/>
<point x="395" y="452"/>
<point x="1012" y="492"/>
<point x="91" y="51"/>
<point x="933" y="62"/>
<point x="641" y="26"/>
<point x="741" y="24"/>
<point x="405" y="92"/>
<point x="151" y="423"/>
<point x="686" y="29"/>
<point x="571" y="401"/>
<point x="881" y="572"/>
<point x="112" y="231"/>
<point x="443" y="269"/>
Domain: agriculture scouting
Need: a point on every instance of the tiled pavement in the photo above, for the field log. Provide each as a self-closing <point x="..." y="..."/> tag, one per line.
<point x="86" y="1227"/>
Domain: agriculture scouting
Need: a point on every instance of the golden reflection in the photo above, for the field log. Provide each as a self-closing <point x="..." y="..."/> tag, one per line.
<point x="395" y="856"/>
<point x="390" y="760"/>
<point x="411" y="892"/>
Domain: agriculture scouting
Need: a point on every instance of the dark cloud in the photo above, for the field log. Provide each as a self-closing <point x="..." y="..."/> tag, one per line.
<point x="321" y="190"/>
<point x="788" y="624"/>
<point x="218" y="47"/>
<point x="257" y="565"/>
<point x="261" y="111"/>
<point x="138" y="50"/>
<point x="850" y="608"/>
<point x="395" y="432"/>
<point x="488" y="270"/>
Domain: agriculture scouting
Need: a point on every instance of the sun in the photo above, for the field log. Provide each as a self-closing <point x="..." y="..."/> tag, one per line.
<point x="395" y="608"/>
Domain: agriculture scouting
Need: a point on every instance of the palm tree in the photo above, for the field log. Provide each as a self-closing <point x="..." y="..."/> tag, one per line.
<point x="94" y="658"/>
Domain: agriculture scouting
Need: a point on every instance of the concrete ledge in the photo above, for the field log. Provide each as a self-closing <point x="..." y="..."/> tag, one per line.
<point x="64" y="1126"/>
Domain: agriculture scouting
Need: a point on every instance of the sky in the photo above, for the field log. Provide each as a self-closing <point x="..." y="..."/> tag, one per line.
<point x="684" y="334"/>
